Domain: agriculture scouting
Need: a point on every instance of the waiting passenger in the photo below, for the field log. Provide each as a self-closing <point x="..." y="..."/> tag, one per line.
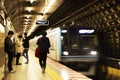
<point x="26" y="47"/>
<point x="44" y="45"/>
<point x="9" y="49"/>
<point x="19" y="49"/>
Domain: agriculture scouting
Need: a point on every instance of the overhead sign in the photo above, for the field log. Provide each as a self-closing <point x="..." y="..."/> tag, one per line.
<point x="43" y="22"/>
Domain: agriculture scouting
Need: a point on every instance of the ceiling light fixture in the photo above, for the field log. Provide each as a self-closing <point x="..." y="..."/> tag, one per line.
<point x="29" y="10"/>
<point x="31" y="1"/>
<point x="27" y="17"/>
<point x="50" y="4"/>
<point x="27" y="20"/>
<point x="47" y="8"/>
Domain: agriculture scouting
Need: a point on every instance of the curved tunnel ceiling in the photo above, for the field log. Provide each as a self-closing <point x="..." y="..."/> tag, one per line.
<point x="23" y="14"/>
<point x="22" y="18"/>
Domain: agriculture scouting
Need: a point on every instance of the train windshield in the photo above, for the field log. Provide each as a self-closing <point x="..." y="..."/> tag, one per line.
<point x="81" y="41"/>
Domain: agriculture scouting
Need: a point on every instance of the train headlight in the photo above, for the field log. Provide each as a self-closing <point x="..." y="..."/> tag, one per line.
<point x="119" y="63"/>
<point x="65" y="52"/>
<point x="93" y="52"/>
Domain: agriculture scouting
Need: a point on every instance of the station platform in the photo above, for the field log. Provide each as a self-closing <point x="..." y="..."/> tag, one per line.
<point x="32" y="71"/>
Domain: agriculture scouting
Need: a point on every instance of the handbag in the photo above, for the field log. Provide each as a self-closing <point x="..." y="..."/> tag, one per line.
<point x="37" y="52"/>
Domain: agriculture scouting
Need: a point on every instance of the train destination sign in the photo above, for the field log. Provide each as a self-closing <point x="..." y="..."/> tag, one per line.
<point x="43" y="22"/>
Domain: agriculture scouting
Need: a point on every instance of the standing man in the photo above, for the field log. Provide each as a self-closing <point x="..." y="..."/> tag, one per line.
<point x="26" y="47"/>
<point x="9" y="49"/>
<point x="44" y="45"/>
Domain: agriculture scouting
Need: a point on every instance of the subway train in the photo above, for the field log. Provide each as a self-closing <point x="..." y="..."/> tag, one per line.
<point x="73" y="46"/>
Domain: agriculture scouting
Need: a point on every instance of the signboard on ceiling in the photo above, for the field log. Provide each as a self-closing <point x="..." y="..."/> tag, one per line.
<point x="43" y="22"/>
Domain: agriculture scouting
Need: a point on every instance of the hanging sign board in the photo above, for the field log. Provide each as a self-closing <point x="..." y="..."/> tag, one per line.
<point x="43" y="22"/>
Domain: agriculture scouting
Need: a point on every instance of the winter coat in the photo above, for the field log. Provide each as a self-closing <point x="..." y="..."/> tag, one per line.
<point x="18" y="46"/>
<point x="26" y="42"/>
<point x="44" y="44"/>
<point x="9" y="47"/>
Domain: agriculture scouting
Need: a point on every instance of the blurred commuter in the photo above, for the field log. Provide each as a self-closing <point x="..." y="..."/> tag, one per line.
<point x="44" y="45"/>
<point x="26" y="47"/>
<point x="9" y="49"/>
<point x="18" y="49"/>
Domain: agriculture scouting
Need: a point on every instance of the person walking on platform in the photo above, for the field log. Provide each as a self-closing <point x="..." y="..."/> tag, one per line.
<point x="26" y="47"/>
<point x="18" y="49"/>
<point x="44" y="45"/>
<point x="9" y="49"/>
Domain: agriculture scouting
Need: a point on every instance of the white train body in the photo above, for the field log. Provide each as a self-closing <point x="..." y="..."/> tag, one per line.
<point x="55" y="41"/>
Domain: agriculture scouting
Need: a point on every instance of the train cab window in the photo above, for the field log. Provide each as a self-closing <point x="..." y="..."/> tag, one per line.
<point x="80" y="41"/>
<point x="73" y="39"/>
<point x="77" y="42"/>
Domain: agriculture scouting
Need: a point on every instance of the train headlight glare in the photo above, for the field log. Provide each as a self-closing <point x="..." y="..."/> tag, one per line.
<point x="65" y="52"/>
<point x="93" y="52"/>
<point x="119" y="63"/>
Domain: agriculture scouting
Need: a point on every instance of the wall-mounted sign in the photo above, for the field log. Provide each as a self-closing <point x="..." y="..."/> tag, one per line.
<point x="43" y="22"/>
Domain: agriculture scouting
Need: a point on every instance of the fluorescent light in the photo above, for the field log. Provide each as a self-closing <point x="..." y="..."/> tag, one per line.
<point x="65" y="53"/>
<point x="27" y="20"/>
<point x="31" y="1"/>
<point x="93" y="52"/>
<point x="64" y="31"/>
<point x="48" y="6"/>
<point x="86" y="31"/>
<point x="119" y="63"/>
<point x="29" y="10"/>
<point x="27" y="17"/>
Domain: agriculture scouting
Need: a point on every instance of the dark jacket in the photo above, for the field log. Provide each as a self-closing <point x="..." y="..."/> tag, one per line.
<point x="8" y="45"/>
<point x="43" y="44"/>
<point x="26" y="42"/>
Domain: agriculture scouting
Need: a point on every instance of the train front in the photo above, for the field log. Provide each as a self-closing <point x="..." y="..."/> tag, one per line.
<point x="80" y="49"/>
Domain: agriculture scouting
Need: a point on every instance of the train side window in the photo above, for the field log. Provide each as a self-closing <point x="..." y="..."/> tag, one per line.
<point x="64" y="41"/>
<point x="74" y="42"/>
<point x="73" y="39"/>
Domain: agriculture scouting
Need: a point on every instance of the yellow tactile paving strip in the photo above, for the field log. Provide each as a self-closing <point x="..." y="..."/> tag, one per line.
<point x="53" y="74"/>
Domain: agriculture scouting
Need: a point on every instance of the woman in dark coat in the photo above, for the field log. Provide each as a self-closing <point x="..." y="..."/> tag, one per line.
<point x="44" y="45"/>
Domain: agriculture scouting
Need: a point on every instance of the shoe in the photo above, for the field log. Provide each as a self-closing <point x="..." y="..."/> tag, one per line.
<point x="19" y="64"/>
<point x="43" y="70"/>
<point x="26" y="62"/>
<point x="12" y="71"/>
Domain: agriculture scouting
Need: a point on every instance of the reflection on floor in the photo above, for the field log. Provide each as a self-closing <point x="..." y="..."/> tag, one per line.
<point x="31" y="71"/>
